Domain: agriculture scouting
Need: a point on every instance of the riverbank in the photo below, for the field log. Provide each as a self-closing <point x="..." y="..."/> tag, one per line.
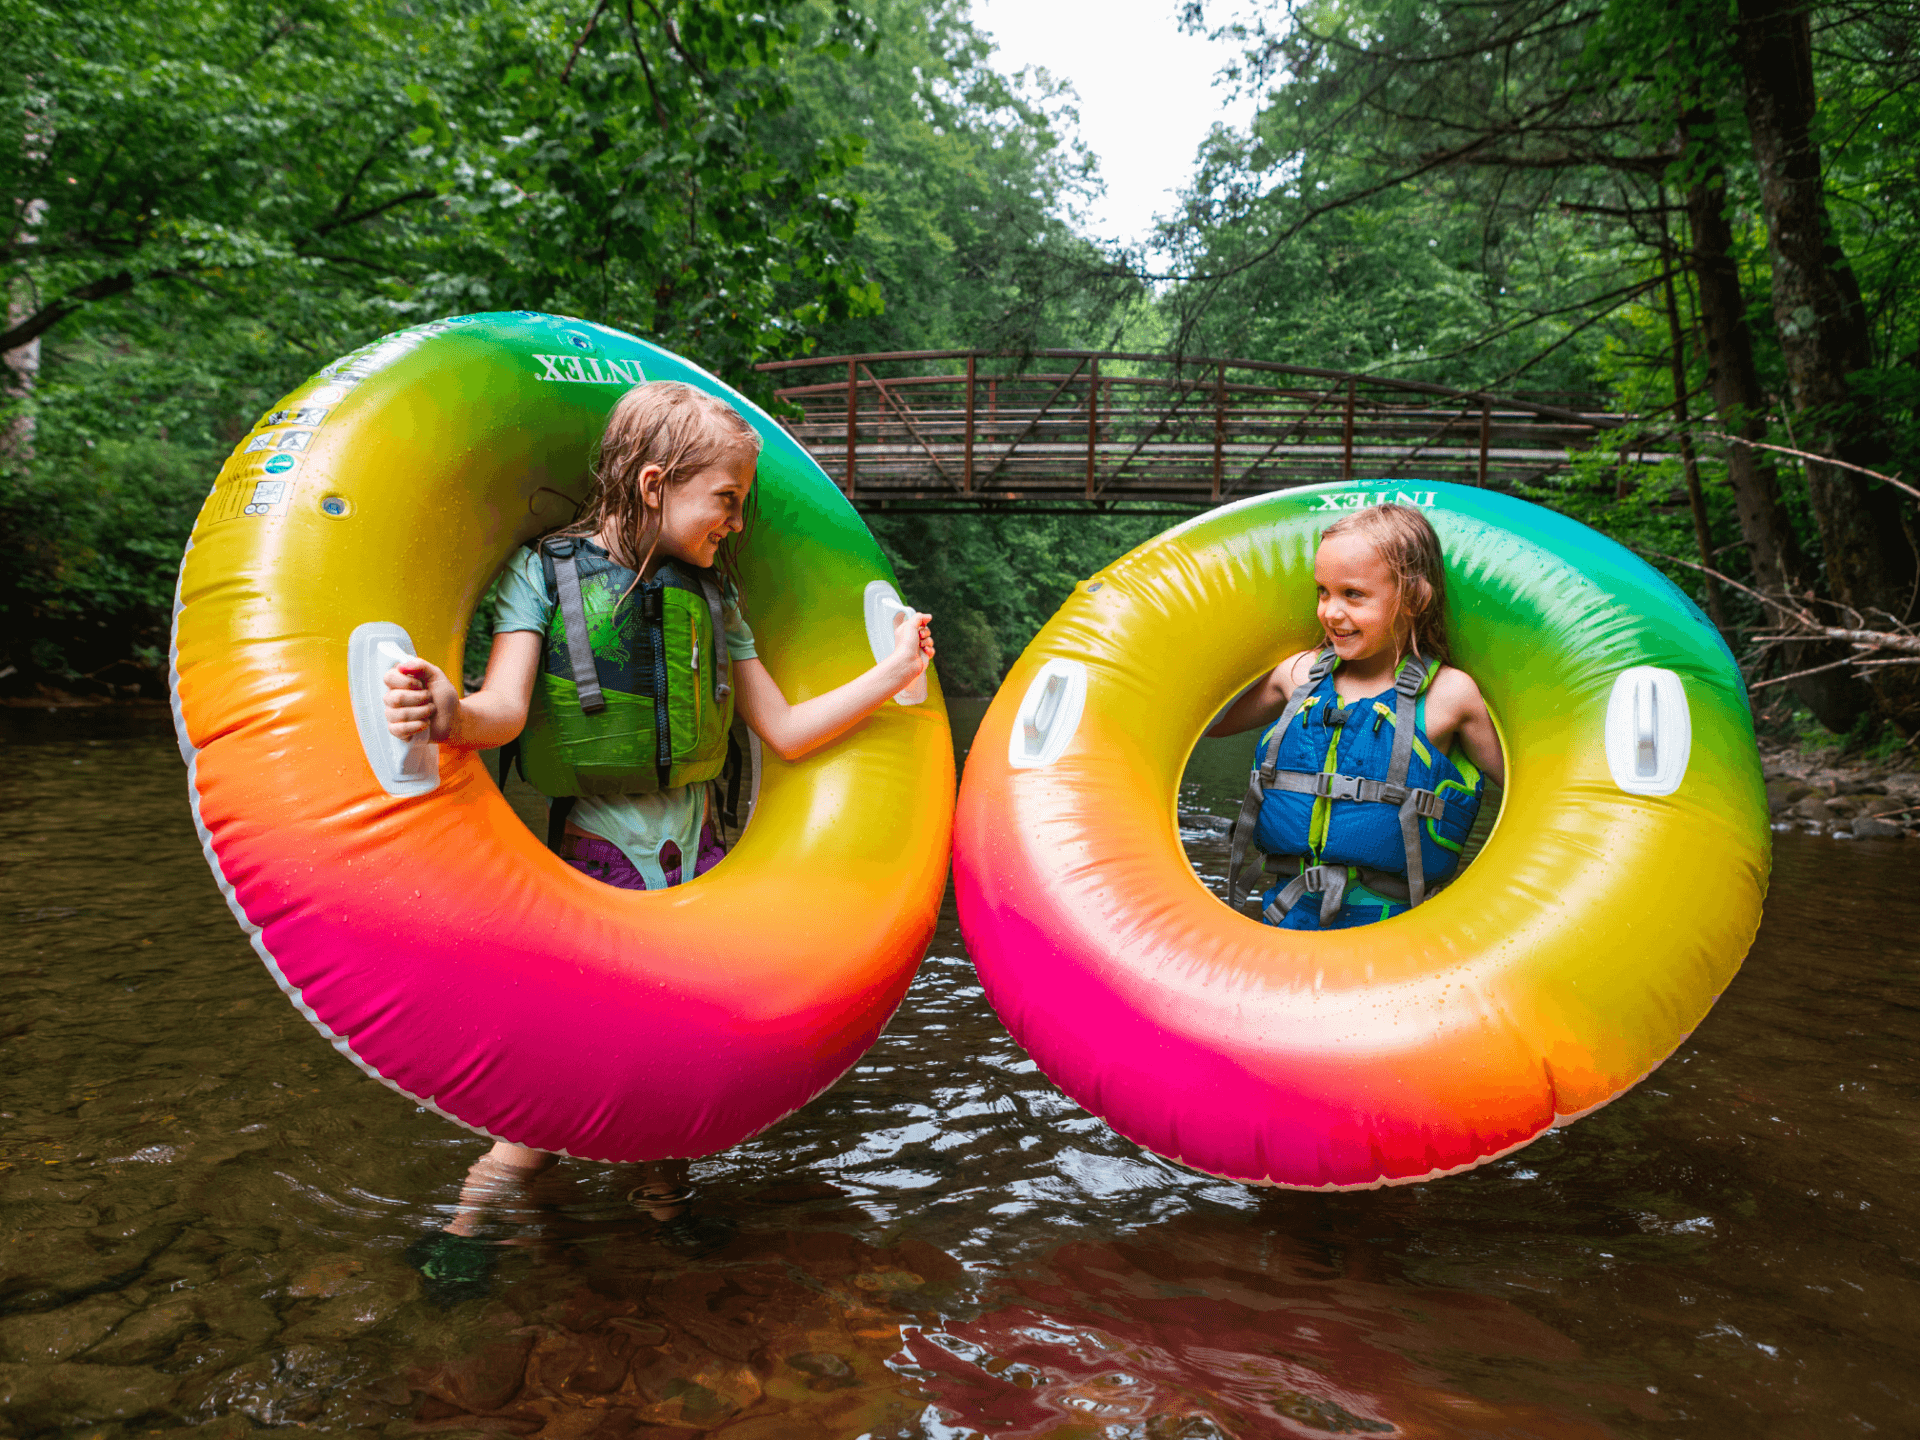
<point x="1826" y="794"/>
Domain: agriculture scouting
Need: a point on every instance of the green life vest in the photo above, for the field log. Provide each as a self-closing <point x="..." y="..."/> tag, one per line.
<point x="634" y="693"/>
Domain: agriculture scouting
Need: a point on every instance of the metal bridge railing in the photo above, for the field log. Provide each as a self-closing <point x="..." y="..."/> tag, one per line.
<point x="1104" y="426"/>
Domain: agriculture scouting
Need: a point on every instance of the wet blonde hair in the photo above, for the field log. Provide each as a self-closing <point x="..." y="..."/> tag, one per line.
<point x="1403" y="538"/>
<point x="666" y="423"/>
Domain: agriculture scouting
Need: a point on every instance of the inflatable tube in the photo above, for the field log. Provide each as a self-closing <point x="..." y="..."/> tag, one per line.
<point x="1611" y="906"/>
<point x="398" y="901"/>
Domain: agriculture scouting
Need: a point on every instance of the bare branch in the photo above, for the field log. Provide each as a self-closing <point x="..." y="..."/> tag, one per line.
<point x="1800" y="674"/>
<point x="426" y="192"/>
<point x="592" y="20"/>
<point x="1894" y="481"/>
<point x="673" y="39"/>
<point x="646" y="70"/>
<point x="1793" y="612"/>
<point x="52" y="313"/>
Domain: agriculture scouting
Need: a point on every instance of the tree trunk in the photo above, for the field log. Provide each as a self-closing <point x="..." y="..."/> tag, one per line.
<point x="20" y="366"/>
<point x="1778" y="562"/>
<point x="1823" y="336"/>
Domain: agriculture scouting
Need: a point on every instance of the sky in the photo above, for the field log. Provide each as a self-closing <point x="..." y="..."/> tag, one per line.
<point x="1146" y="91"/>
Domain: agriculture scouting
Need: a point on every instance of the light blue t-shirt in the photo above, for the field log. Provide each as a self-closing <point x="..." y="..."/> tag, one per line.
<point x="640" y="825"/>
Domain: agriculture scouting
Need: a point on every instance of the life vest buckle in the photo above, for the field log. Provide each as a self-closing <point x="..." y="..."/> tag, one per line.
<point x="1337" y="787"/>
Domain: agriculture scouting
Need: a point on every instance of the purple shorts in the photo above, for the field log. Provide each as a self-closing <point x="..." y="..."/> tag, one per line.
<point x="606" y="862"/>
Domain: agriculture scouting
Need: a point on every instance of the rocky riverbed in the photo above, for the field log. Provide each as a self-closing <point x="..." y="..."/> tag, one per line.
<point x="1847" y="801"/>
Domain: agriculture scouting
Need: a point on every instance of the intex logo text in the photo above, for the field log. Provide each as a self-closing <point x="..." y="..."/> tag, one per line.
<point x="585" y="370"/>
<point x="1361" y="499"/>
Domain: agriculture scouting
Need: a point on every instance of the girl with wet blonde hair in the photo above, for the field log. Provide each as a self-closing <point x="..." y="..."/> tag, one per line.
<point x="620" y="652"/>
<point x="1368" y="781"/>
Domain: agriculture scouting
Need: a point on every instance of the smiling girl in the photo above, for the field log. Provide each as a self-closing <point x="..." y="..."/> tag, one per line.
<point x="1366" y="786"/>
<point x="620" y="652"/>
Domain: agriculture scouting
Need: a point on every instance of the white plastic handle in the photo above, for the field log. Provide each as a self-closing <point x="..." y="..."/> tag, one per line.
<point x="881" y="605"/>
<point x="403" y="767"/>
<point x="1049" y="714"/>
<point x="1646" y="731"/>
<point x="1649" y="731"/>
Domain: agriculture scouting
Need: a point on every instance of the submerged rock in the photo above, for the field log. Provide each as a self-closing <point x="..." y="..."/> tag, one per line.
<point x="1214" y="825"/>
<point x="36" y="1396"/>
<point x="1783" y="791"/>
<point x="1868" y="827"/>
<point x="57" y="1334"/>
<point x="335" y="1275"/>
<point x="231" y="1310"/>
<point x="478" y="1382"/>
<point x="149" y="1335"/>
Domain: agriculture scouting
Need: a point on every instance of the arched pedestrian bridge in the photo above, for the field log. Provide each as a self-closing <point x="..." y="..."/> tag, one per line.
<point x="953" y="429"/>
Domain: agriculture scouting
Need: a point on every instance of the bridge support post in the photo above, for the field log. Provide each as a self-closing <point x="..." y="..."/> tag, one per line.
<point x="1219" y="426"/>
<point x="1346" y="435"/>
<point x="966" y="474"/>
<point x="853" y="419"/>
<point x="1486" y="434"/>
<point x="1093" y="424"/>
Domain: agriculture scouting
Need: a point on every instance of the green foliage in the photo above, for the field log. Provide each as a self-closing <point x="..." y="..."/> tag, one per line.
<point x="339" y="168"/>
<point x="1395" y="207"/>
<point x="969" y="188"/>
<point x="87" y="584"/>
<point x="1495" y="197"/>
<point x="231" y="194"/>
<point x="216" y="198"/>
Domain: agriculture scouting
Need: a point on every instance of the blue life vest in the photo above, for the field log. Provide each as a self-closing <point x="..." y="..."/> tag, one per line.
<point x="1357" y="811"/>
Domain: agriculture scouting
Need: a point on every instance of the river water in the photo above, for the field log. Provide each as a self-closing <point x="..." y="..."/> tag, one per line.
<point x="206" y="1215"/>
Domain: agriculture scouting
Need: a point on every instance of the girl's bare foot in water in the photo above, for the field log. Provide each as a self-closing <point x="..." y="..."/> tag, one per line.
<point x="663" y="1191"/>
<point x="454" y="1264"/>
<point x="498" y="1177"/>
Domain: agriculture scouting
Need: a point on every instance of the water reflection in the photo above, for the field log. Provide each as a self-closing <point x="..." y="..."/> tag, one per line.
<point x="209" y="1215"/>
<point x="1212" y="1324"/>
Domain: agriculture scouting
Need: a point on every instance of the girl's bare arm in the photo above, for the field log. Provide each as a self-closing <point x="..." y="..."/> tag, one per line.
<point x="1455" y="708"/>
<point x="794" y="730"/>
<point x="420" y="697"/>
<point x="1263" y="700"/>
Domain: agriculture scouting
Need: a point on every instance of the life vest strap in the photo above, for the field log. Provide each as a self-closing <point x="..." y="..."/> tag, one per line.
<point x="1249" y="817"/>
<point x="1427" y="804"/>
<point x="1407" y="685"/>
<point x="1330" y="883"/>
<point x="1414" y="805"/>
<point x="722" y="658"/>
<point x="573" y="613"/>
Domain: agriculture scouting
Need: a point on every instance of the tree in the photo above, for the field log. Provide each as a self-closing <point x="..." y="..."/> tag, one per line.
<point x="1866" y="528"/>
<point x="1557" y="129"/>
<point x="235" y="192"/>
<point x="336" y="168"/>
<point x="969" y="186"/>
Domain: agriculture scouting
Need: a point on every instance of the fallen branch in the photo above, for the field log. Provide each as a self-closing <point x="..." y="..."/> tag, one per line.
<point x="1800" y="626"/>
<point x="1799" y="674"/>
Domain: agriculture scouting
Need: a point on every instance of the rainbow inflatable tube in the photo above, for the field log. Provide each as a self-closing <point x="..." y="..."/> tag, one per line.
<point x="398" y="901"/>
<point x="1612" y="904"/>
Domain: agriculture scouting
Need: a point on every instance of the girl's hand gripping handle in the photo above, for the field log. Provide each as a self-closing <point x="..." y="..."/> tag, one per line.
<point x="897" y="635"/>
<point x="912" y="651"/>
<point x="420" y="698"/>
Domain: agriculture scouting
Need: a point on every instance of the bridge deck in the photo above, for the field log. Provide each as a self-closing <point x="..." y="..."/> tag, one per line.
<point x="970" y="428"/>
